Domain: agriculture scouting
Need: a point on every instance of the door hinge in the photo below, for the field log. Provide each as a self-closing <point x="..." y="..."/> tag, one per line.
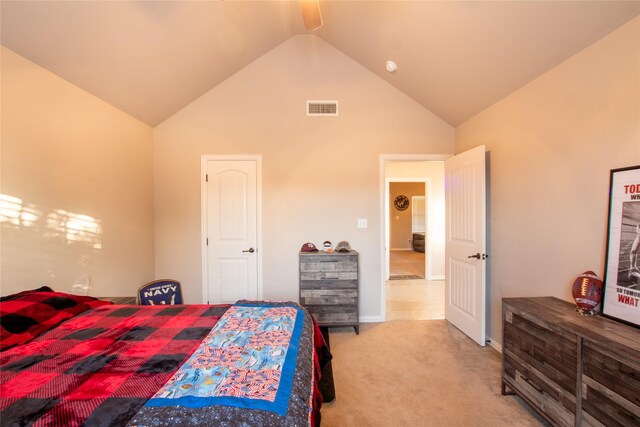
<point x="207" y="241"/>
<point x="206" y="177"/>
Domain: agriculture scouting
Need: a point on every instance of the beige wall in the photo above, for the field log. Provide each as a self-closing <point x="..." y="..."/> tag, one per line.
<point x="400" y="222"/>
<point x="320" y="174"/>
<point x="552" y="144"/>
<point x="76" y="187"/>
<point x="433" y="171"/>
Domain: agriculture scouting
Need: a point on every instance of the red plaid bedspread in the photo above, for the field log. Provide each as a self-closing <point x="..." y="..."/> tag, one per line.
<point x="100" y="367"/>
<point x="26" y="315"/>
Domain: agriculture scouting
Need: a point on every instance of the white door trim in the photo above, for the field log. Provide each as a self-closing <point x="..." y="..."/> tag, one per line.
<point x="383" y="195"/>
<point x="203" y="214"/>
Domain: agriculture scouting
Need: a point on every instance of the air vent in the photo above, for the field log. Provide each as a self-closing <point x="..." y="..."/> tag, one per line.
<point x="322" y="108"/>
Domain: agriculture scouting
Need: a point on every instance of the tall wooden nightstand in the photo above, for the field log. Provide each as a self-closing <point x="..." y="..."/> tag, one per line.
<point x="329" y="287"/>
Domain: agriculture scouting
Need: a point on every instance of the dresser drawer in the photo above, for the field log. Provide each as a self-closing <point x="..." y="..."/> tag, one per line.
<point x="557" y="404"/>
<point x="610" y="386"/>
<point x="323" y="275"/>
<point x="329" y="284"/>
<point x="328" y="296"/>
<point x="541" y="366"/>
<point x="550" y="353"/>
<point x="329" y="264"/>
<point x="327" y="315"/>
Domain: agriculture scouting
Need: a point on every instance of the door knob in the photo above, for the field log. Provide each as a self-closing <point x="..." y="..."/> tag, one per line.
<point x="250" y="250"/>
<point x="478" y="256"/>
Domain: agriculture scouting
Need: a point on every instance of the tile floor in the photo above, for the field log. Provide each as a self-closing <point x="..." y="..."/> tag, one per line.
<point x="413" y="299"/>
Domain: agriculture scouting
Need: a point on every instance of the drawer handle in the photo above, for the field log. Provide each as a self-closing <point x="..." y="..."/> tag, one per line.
<point x="535" y="387"/>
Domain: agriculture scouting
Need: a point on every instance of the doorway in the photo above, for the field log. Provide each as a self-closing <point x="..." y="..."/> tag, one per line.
<point x="414" y="237"/>
<point x="231" y="228"/>
<point x="407" y="227"/>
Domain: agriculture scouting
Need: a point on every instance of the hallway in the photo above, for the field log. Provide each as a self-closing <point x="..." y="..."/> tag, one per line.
<point x="406" y="263"/>
<point x="409" y="295"/>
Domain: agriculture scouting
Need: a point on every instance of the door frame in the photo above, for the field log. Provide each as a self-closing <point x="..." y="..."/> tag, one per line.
<point x="383" y="196"/>
<point x="203" y="215"/>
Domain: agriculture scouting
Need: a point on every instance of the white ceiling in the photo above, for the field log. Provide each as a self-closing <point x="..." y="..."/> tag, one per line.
<point x="151" y="58"/>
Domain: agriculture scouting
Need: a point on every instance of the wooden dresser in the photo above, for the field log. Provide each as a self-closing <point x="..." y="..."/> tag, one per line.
<point x="329" y="287"/>
<point x="574" y="370"/>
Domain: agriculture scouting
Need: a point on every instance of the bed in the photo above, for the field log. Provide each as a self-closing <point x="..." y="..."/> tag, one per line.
<point x="75" y="360"/>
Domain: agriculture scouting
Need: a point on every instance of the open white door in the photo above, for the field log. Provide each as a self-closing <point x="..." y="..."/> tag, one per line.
<point x="231" y="230"/>
<point x="465" y="242"/>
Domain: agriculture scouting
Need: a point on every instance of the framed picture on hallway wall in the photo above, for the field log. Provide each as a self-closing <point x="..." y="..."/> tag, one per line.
<point x="621" y="294"/>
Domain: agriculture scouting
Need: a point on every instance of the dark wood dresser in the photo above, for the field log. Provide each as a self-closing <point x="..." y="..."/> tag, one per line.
<point x="574" y="370"/>
<point x="329" y="287"/>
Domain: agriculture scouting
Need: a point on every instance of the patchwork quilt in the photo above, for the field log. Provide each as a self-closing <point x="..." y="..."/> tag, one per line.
<point x="100" y="367"/>
<point x="255" y="367"/>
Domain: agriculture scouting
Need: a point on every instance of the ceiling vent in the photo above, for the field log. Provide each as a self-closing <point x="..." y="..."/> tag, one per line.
<point x="322" y="108"/>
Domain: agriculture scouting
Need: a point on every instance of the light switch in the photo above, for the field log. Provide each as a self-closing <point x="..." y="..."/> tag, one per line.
<point x="362" y="223"/>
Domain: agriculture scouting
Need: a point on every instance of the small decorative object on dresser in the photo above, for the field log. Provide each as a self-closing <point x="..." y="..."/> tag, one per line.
<point x="329" y="287"/>
<point x="573" y="370"/>
<point x="587" y="291"/>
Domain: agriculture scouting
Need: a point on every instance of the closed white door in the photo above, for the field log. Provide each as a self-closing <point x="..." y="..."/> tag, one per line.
<point x="466" y="243"/>
<point x="231" y="230"/>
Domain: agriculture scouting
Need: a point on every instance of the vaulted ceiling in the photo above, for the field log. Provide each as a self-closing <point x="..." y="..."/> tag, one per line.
<point x="151" y="58"/>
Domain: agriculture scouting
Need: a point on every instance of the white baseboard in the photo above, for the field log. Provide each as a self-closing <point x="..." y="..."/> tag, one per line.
<point x="440" y="277"/>
<point x="370" y="319"/>
<point x="401" y="249"/>
<point x="495" y="345"/>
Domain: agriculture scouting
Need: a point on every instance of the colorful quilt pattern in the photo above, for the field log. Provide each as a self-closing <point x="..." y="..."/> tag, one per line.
<point x="247" y="360"/>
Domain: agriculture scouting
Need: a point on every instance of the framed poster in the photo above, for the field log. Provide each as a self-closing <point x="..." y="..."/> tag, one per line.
<point x="621" y="296"/>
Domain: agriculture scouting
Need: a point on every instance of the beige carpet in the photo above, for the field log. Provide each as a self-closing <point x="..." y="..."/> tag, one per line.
<point x="417" y="373"/>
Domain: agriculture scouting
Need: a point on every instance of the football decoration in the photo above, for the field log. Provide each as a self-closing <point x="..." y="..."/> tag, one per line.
<point x="587" y="291"/>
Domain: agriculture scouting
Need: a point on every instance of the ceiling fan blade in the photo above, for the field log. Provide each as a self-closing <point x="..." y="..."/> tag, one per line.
<point x="311" y="14"/>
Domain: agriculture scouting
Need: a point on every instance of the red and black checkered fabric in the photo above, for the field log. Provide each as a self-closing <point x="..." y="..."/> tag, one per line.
<point x="25" y="315"/>
<point x="100" y="367"/>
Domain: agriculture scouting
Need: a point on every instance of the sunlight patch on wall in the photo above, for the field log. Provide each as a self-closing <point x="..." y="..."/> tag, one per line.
<point x="13" y="211"/>
<point x="75" y="227"/>
<point x="71" y="226"/>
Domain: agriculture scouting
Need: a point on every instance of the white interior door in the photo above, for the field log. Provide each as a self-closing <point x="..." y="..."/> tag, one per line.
<point x="466" y="243"/>
<point x="231" y="230"/>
